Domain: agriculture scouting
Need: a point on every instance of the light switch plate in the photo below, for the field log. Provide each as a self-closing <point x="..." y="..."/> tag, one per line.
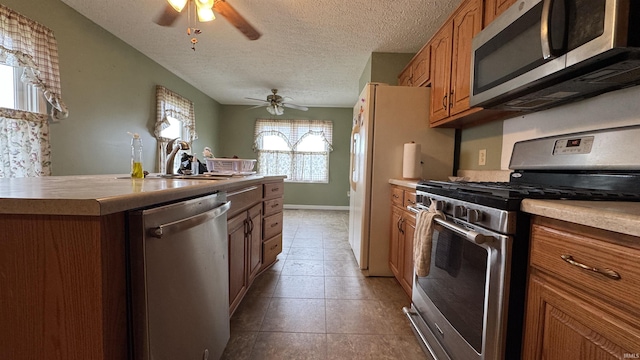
<point x="482" y="157"/>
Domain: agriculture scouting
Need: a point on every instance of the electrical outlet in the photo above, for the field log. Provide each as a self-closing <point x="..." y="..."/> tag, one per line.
<point x="348" y="193"/>
<point x="482" y="157"/>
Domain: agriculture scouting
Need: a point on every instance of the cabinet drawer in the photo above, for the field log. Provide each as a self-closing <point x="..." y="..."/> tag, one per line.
<point x="272" y="206"/>
<point x="273" y="190"/>
<point x="272" y="225"/>
<point x="397" y="196"/>
<point x="271" y="248"/>
<point x="549" y="245"/>
<point x="409" y="198"/>
<point x="243" y="198"/>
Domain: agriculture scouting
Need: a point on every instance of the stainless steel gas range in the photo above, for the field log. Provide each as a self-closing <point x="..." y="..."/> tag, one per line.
<point x="471" y="304"/>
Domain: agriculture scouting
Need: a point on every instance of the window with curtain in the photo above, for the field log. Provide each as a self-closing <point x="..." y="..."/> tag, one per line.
<point x="298" y="149"/>
<point x="175" y="118"/>
<point x="29" y="72"/>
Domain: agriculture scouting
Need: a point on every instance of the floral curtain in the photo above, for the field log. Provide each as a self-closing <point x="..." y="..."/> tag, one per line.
<point x="294" y="158"/>
<point x="24" y="136"/>
<point x="171" y="104"/>
<point x="32" y="46"/>
<point x="24" y="144"/>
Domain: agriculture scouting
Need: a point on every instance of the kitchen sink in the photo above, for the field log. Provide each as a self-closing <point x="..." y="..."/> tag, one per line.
<point x="180" y="176"/>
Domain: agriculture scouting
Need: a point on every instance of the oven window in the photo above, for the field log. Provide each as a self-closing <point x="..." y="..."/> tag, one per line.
<point x="456" y="283"/>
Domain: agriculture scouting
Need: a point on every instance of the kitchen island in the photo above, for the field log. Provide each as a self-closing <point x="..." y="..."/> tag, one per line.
<point x="63" y="266"/>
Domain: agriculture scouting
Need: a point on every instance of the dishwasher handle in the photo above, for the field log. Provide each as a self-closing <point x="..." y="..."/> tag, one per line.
<point x="195" y="220"/>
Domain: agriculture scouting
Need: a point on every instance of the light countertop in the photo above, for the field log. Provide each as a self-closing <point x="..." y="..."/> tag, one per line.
<point x="618" y="216"/>
<point x="103" y="194"/>
<point x="404" y="182"/>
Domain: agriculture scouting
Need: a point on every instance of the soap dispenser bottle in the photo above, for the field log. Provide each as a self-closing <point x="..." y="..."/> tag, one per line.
<point x="136" y="157"/>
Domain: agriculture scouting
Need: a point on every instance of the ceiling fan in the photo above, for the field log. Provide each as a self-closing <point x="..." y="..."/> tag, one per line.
<point x="204" y="10"/>
<point x="276" y="103"/>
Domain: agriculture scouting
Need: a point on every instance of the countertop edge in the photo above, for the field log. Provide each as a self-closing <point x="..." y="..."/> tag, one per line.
<point x="618" y="216"/>
<point x="409" y="183"/>
<point x="99" y="206"/>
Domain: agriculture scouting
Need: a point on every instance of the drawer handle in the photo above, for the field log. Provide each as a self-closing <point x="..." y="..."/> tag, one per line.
<point x="275" y="189"/>
<point x="606" y="272"/>
<point x="395" y="196"/>
<point x="274" y="224"/>
<point x="274" y="247"/>
<point x="411" y="202"/>
<point x="275" y="205"/>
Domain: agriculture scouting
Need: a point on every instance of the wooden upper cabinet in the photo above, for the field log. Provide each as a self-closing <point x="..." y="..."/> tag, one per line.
<point x="404" y="79"/>
<point x="466" y="24"/>
<point x="451" y="62"/>
<point x="440" y="73"/>
<point x="420" y="67"/>
<point x="493" y="9"/>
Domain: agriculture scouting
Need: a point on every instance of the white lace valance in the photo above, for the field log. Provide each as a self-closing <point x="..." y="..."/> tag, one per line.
<point x="293" y="132"/>
<point x="32" y="46"/>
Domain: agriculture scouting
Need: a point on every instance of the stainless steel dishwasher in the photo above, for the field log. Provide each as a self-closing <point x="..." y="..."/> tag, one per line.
<point x="180" y="280"/>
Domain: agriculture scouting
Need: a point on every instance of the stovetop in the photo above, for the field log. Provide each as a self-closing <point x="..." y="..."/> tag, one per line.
<point x="509" y="195"/>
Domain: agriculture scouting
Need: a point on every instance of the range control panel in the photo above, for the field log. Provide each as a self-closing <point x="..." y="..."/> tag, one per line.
<point x="572" y="146"/>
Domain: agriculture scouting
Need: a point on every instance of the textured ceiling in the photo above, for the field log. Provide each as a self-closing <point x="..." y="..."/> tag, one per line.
<point x="312" y="51"/>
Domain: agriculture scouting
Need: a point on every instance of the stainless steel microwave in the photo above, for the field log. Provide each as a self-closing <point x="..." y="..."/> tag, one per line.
<point x="543" y="53"/>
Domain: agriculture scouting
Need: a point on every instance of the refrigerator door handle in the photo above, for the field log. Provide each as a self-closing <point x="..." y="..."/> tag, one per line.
<point x="354" y="132"/>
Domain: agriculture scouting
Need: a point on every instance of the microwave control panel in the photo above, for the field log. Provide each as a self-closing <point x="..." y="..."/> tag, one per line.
<point x="573" y="146"/>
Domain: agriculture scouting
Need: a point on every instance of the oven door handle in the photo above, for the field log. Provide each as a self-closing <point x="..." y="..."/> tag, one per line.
<point x="466" y="233"/>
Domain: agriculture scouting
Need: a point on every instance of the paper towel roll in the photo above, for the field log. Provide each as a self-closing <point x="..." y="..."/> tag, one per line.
<point x="411" y="167"/>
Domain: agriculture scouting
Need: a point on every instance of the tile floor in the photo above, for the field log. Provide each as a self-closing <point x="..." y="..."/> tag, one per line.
<point x="314" y="303"/>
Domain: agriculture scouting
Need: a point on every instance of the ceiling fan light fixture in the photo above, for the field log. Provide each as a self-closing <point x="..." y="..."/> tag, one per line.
<point x="205" y="14"/>
<point x="178" y="4"/>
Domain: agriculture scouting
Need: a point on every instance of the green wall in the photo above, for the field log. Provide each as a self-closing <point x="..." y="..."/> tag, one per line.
<point x="109" y="88"/>
<point x="384" y="68"/>
<point x="236" y="138"/>
<point x="472" y="140"/>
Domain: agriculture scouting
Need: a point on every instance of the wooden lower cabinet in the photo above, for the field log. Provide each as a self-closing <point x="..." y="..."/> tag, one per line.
<point x="576" y="313"/>
<point x="238" y="279"/>
<point x="403" y="226"/>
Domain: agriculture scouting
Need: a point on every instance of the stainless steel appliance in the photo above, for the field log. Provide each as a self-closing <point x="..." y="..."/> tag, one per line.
<point x="180" y="280"/>
<point x="471" y="304"/>
<point x="543" y="53"/>
<point x="384" y="119"/>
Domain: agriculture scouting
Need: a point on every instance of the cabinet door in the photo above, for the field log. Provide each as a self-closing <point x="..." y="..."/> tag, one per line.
<point x="466" y="24"/>
<point x="409" y="227"/>
<point x="255" y="240"/>
<point x="236" y="227"/>
<point x="493" y="9"/>
<point x="420" y="67"/>
<point x="404" y="79"/>
<point x="440" y="73"/>
<point x="394" y="242"/>
<point x="561" y="326"/>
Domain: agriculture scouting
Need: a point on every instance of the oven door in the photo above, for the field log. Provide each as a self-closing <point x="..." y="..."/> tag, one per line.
<point x="463" y="300"/>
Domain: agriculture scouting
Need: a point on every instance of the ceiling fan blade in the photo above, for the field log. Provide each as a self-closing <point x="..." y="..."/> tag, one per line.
<point x="294" y="106"/>
<point x="168" y="16"/>
<point x="263" y="100"/>
<point x="255" y="107"/>
<point x="223" y="8"/>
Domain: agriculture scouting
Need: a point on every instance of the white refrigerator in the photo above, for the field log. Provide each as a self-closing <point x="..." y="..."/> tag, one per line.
<point x="384" y="119"/>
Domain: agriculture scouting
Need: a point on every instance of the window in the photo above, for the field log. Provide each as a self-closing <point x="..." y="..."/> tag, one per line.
<point x="29" y="74"/>
<point x="175" y="118"/>
<point x="298" y="149"/>
<point x="15" y="94"/>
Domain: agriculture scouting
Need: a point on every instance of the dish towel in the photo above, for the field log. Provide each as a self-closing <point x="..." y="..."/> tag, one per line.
<point x="422" y="240"/>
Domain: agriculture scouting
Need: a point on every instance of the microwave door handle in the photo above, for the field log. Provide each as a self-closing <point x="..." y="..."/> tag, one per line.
<point x="545" y="33"/>
<point x="549" y="27"/>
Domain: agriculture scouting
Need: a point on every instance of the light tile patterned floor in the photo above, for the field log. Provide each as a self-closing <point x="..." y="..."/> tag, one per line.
<point x="314" y="303"/>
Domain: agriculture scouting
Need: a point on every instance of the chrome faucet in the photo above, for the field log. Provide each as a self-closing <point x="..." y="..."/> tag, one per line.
<point x="172" y="149"/>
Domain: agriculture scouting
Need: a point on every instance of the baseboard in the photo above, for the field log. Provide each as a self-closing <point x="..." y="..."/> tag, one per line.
<point x="315" y="207"/>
